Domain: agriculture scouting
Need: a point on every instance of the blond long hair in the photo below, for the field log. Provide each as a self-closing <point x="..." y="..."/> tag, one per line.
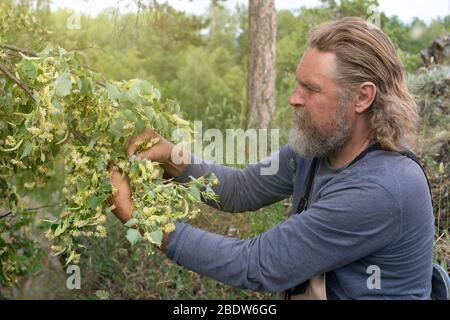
<point x="365" y="54"/>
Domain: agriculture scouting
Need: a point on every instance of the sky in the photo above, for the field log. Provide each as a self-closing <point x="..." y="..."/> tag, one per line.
<point x="405" y="9"/>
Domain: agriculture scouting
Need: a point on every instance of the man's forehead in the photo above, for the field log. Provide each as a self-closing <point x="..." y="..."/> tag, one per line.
<point x="316" y="66"/>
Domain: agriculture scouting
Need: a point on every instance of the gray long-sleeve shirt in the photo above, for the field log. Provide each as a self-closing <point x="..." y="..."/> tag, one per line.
<point x="369" y="227"/>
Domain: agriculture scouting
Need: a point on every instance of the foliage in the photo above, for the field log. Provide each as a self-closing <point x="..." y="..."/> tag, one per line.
<point x="56" y="111"/>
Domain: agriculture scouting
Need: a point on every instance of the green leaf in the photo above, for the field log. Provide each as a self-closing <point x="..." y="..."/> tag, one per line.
<point x="27" y="150"/>
<point x="116" y="128"/>
<point x="125" y="98"/>
<point x="143" y="171"/>
<point x="164" y="124"/>
<point x="131" y="223"/>
<point x="87" y="86"/>
<point x="156" y="237"/>
<point x="94" y="201"/>
<point x="106" y="187"/>
<point x="62" y="51"/>
<point x="134" y="236"/>
<point x="196" y="194"/>
<point x="44" y="53"/>
<point x="82" y="184"/>
<point x="101" y="164"/>
<point x="139" y="125"/>
<point x="60" y="229"/>
<point x="63" y="85"/>
<point x="129" y="115"/>
<point x="28" y="69"/>
<point x="79" y="83"/>
<point x="113" y="92"/>
<point x="145" y="88"/>
<point x="94" y="180"/>
<point x="149" y="113"/>
<point x="92" y="143"/>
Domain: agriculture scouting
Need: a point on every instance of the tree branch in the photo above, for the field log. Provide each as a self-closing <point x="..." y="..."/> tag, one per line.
<point x="4" y="70"/>
<point x="30" y="209"/>
<point x="87" y="47"/>
<point x="14" y="48"/>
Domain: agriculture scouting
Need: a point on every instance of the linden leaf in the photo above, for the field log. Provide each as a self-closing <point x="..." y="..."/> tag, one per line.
<point x="134" y="236"/>
<point x="63" y="85"/>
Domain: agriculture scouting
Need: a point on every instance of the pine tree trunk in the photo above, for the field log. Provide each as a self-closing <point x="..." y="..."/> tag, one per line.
<point x="261" y="72"/>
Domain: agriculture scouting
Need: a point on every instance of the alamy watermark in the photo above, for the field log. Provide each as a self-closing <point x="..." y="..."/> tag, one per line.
<point x="73" y="281"/>
<point x="374" y="20"/>
<point x="374" y="280"/>
<point x="73" y="22"/>
<point x="235" y="147"/>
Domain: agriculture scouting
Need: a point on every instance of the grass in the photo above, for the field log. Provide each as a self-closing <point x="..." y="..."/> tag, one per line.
<point x="114" y="269"/>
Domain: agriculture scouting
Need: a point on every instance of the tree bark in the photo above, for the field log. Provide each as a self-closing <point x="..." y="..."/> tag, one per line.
<point x="261" y="68"/>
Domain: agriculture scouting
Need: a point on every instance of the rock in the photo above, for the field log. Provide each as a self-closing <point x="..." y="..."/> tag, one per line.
<point x="438" y="52"/>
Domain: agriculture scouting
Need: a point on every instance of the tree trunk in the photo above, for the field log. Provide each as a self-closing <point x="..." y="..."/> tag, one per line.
<point x="261" y="69"/>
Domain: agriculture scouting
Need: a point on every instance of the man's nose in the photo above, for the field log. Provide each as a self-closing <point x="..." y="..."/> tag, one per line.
<point x="296" y="99"/>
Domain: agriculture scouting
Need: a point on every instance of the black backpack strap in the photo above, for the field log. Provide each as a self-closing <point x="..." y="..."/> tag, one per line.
<point x="414" y="158"/>
<point x="406" y="153"/>
<point x="301" y="288"/>
<point x="372" y="148"/>
<point x="310" y="179"/>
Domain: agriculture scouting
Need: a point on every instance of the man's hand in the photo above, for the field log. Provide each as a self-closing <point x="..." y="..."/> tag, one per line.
<point x="172" y="158"/>
<point x="123" y="202"/>
<point x="122" y="199"/>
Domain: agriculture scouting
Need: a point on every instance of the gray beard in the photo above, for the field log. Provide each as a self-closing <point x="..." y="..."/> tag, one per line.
<point x="311" y="142"/>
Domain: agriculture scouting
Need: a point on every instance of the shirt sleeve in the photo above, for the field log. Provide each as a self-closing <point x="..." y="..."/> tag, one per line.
<point x="249" y="189"/>
<point x="348" y="223"/>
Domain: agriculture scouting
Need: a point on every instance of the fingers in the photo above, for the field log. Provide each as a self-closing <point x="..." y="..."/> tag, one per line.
<point x="131" y="146"/>
<point x="147" y="154"/>
<point x="112" y="167"/>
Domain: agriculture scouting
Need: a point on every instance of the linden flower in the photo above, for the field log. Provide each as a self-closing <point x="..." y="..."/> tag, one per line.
<point x="88" y="234"/>
<point x="18" y="163"/>
<point x="29" y="185"/>
<point x="34" y="131"/>
<point x="42" y="169"/>
<point x="79" y="224"/>
<point x="49" y="235"/>
<point x="128" y="126"/>
<point x="169" y="228"/>
<point x="76" y="258"/>
<point x="41" y="78"/>
<point x="179" y="121"/>
<point x="49" y="126"/>
<point x="46" y="137"/>
<point x="56" y="248"/>
<point x="214" y="180"/>
<point x="10" y="141"/>
<point x="102" y="295"/>
<point x="101" y="231"/>
<point x="76" y="233"/>
<point x="156" y="174"/>
<point x="78" y="200"/>
<point x="157" y="219"/>
<point x="101" y="219"/>
<point x="149" y="211"/>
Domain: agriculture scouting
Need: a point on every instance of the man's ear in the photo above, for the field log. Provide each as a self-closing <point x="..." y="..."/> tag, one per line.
<point x="366" y="95"/>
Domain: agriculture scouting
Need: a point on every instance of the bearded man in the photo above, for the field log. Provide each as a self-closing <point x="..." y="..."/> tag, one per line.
<point x="366" y="226"/>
